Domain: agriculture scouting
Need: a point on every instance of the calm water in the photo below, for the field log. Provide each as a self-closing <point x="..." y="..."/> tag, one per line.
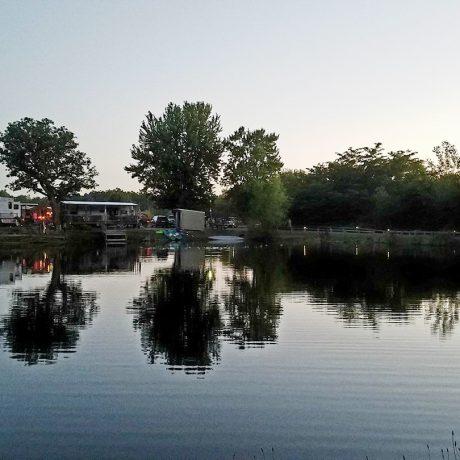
<point x="211" y="352"/>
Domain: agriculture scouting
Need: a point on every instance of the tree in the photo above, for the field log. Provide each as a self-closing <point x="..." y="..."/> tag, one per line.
<point x="267" y="203"/>
<point x="252" y="156"/>
<point x="448" y="160"/>
<point x="143" y="200"/>
<point x="44" y="159"/>
<point x="252" y="174"/>
<point x="365" y="186"/>
<point x="179" y="155"/>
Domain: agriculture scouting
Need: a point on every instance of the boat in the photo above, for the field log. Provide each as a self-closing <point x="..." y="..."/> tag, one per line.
<point x="172" y="234"/>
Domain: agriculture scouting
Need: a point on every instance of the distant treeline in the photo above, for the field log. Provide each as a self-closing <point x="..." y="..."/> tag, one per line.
<point x="362" y="187"/>
<point x="370" y="187"/>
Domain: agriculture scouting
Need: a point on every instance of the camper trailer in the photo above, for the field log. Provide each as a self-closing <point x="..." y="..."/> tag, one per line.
<point x="10" y="210"/>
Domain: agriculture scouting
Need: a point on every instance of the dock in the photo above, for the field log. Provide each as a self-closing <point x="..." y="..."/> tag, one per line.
<point x="115" y="237"/>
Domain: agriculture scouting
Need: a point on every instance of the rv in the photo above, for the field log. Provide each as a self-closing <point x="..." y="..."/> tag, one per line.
<point x="10" y="211"/>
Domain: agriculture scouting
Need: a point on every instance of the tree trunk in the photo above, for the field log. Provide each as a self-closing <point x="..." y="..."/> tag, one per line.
<point x="56" y="208"/>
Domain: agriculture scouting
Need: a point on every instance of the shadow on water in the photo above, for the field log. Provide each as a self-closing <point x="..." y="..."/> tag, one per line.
<point x="43" y="323"/>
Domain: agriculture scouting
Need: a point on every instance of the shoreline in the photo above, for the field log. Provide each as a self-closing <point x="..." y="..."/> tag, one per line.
<point x="11" y="237"/>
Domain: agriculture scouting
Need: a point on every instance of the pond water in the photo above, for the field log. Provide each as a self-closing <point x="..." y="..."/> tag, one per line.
<point x="229" y="352"/>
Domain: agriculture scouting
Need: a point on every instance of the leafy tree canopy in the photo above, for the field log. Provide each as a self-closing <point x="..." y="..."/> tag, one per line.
<point x="252" y="156"/>
<point x="44" y="159"/>
<point x="143" y="200"/>
<point x="448" y="160"/>
<point x="179" y="155"/>
<point x="268" y="203"/>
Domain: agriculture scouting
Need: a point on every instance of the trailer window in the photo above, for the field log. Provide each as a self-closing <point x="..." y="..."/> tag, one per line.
<point x="16" y="206"/>
<point x="10" y="205"/>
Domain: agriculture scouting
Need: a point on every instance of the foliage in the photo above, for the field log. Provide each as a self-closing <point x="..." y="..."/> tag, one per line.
<point x="179" y="155"/>
<point x="44" y="159"/>
<point x="365" y="186"/>
<point x="251" y="174"/>
<point x="144" y="200"/>
<point x="267" y="203"/>
<point x="448" y="160"/>
<point x="224" y="207"/>
<point x="252" y="156"/>
<point x="260" y="203"/>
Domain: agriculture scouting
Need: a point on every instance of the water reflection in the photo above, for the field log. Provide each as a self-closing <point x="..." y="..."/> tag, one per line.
<point x="44" y="323"/>
<point x="10" y="270"/>
<point x="111" y="259"/>
<point x="179" y="319"/>
<point x="442" y="313"/>
<point x="253" y="305"/>
<point x="185" y="311"/>
<point x="369" y="289"/>
<point x="195" y="298"/>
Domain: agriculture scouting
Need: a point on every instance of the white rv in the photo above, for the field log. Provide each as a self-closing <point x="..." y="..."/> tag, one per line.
<point x="10" y="210"/>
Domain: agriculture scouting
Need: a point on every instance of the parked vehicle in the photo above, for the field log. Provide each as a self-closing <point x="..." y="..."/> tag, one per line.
<point x="231" y="222"/>
<point x="160" y="222"/>
<point x="220" y="222"/>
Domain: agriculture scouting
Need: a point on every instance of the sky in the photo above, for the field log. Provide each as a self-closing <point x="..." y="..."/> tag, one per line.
<point x="325" y="75"/>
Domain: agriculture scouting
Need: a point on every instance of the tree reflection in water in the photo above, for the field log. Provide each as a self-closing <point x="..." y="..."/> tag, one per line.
<point x="179" y="320"/>
<point x="442" y="313"/>
<point x="253" y="305"/>
<point x="183" y="313"/>
<point x="46" y="322"/>
<point x="369" y="289"/>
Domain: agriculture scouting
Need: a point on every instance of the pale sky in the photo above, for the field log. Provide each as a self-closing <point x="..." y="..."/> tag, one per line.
<point x="325" y="75"/>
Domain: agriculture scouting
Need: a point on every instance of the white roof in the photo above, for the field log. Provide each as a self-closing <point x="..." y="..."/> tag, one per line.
<point x="99" y="203"/>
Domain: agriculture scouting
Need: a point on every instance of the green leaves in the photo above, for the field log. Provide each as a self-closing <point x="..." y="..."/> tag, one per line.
<point x="448" y="160"/>
<point x="178" y="156"/>
<point x="44" y="158"/>
<point x="251" y="156"/>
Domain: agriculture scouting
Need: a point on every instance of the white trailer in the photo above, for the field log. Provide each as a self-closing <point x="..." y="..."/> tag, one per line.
<point x="187" y="219"/>
<point x="10" y="210"/>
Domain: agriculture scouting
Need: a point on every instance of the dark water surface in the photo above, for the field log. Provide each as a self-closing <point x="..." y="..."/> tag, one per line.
<point x="216" y="352"/>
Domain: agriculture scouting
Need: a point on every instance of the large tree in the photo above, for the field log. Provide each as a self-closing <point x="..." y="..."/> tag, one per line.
<point x="251" y="173"/>
<point x="251" y="156"/>
<point x="179" y="155"/>
<point x="44" y="159"/>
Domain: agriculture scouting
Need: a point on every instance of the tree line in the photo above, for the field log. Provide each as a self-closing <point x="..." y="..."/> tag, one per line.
<point x="181" y="156"/>
<point x="370" y="187"/>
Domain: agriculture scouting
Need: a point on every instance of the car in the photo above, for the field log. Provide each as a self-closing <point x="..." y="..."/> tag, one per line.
<point x="231" y="222"/>
<point x="160" y="222"/>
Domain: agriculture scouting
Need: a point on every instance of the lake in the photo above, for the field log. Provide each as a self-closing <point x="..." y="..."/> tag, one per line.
<point x="229" y="352"/>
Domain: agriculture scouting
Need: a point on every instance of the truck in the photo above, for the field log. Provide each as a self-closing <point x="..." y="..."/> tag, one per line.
<point x="188" y="219"/>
